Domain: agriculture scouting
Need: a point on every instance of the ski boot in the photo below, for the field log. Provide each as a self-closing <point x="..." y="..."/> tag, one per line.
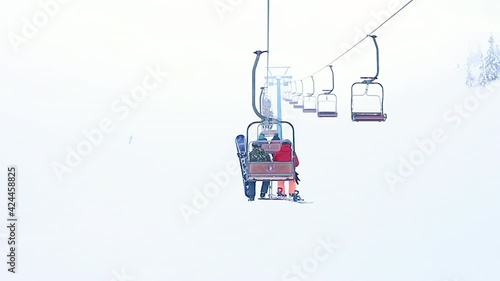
<point x="296" y="196"/>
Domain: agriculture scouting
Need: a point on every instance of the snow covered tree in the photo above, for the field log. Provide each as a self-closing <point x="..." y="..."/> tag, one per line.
<point x="469" y="79"/>
<point x="482" y="79"/>
<point x="492" y="62"/>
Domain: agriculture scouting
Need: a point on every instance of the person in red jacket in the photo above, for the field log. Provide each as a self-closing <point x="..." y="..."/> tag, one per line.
<point x="285" y="155"/>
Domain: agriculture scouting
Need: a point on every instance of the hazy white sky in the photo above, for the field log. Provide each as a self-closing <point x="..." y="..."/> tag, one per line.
<point x="106" y="42"/>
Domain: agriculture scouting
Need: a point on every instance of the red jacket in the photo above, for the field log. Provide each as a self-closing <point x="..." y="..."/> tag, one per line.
<point x="285" y="155"/>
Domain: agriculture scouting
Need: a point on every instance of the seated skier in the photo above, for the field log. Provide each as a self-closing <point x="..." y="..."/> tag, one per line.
<point x="258" y="155"/>
<point x="285" y="155"/>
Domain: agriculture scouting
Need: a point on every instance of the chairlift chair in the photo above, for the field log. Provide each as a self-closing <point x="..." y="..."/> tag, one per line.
<point x="309" y="101"/>
<point x="299" y="103"/>
<point x="270" y="171"/>
<point x="294" y="98"/>
<point x="267" y="171"/>
<point x="367" y="90"/>
<point x="288" y="93"/>
<point x="327" y="102"/>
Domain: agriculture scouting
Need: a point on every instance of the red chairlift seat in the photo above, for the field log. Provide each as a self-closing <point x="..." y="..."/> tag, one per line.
<point x="276" y="171"/>
<point x="271" y="147"/>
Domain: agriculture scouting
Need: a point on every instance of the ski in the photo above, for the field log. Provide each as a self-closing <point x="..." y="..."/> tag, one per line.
<point x="242" y="156"/>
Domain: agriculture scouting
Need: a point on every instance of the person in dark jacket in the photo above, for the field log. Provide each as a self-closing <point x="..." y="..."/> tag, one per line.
<point x="258" y="155"/>
<point x="285" y="155"/>
<point x="275" y="141"/>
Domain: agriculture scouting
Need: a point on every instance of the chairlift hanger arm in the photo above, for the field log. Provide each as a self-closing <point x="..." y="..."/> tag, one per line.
<point x="314" y="87"/>
<point x="261" y="97"/>
<point x="374" y="37"/>
<point x="329" y="91"/>
<point x="333" y="78"/>
<point x="254" y="70"/>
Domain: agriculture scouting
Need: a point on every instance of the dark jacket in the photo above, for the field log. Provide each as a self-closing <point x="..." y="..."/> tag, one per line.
<point x="259" y="155"/>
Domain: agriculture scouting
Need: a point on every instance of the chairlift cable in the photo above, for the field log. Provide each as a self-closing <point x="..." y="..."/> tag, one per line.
<point x="368" y="35"/>
<point x="268" y="30"/>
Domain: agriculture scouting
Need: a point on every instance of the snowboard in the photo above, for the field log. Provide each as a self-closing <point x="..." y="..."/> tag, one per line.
<point x="241" y="150"/>
<point x="301" y="201"/>
<point x="285" y="198"/>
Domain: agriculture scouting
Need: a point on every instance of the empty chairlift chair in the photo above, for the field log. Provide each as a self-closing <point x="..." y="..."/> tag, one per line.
<point x="300" y="98"/>
<point x="285" y="95"/>
<point x="294" y="96"/>
<point x="327" y="102"/>
<point x="370" y="98"/>
<point x="288" y="93"/>
<point x="309" y="101"/>
<point x="367" y="97"/>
